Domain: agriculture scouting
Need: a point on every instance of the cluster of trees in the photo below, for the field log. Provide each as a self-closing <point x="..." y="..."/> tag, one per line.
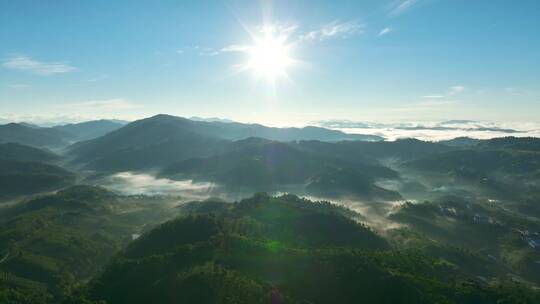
<point x="284" y="247"/>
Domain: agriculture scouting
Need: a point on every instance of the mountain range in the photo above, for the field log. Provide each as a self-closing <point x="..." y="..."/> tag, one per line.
<point x="435" y="222"/>
<point x="56" y="137"/>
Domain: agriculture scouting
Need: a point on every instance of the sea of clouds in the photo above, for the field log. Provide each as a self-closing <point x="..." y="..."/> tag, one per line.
<point x="435" y="131"/>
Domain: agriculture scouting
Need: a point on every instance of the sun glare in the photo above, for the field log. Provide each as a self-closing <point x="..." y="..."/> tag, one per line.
<point x="269" y="58"/>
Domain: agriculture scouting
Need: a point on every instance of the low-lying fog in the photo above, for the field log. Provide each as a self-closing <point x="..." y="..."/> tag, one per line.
<point x="374" y="213"/>
<point x="131" y="183"/>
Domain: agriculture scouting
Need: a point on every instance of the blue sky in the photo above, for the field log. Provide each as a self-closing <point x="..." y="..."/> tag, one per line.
<point x="407" y="60"/>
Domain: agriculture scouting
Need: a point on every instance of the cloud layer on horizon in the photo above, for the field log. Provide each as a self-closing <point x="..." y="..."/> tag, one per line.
<point x="435" y="131"/>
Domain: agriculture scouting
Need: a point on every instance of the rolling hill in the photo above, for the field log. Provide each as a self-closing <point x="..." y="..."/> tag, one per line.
<point x="34" y="136"/>
<point x="25" y="178"/>
<point x="18" y="152"/>
<point x="51" y="244"/>
<point x="90" y="129"/>
<point x="256" y="164"/>
<point x="164" y="139"/>
<point x="283" y="250"/>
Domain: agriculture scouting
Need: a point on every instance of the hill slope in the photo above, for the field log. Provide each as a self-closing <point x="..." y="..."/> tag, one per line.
<point x="51" y="244"/>
<point x="163" y="139"/>
<point x="89" y="129"/>
<point x="34" y="136"/>
<point x="261" y="165"/>
<point x="282" y="250"/>
<point x="24" y="178"/>
<point x="18" y="152"/>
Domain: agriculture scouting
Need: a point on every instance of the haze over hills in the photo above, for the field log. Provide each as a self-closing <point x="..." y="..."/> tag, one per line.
<point x="14" y="151"/>
<point x="403" y="213"/>
<point x="56" y="137"/>
<point x="261" y="165"/>
<point x="90" y="129"/>
<point x="269" y="152"/>
<point x="32" y="136"/>
<point x="65" y="238"/>
<point x="313" y="254"/>
<point x="171" y="138"/>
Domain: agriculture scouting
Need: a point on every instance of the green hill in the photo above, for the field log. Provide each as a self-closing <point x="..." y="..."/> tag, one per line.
<point x="18" y="152"/>
<point x="51" y="244"/>
<point x="260" y="165"/>
<point x="163" y="139"/>
<point x="402" y="150"/>
<point x="89" y="129"/>
<point x="34" y="136"/>
<point x="266" y="248"/>
<point x="23" y="178"/>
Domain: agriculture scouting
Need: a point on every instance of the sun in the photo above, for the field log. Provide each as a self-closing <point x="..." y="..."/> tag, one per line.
<point x="269" y="57"/>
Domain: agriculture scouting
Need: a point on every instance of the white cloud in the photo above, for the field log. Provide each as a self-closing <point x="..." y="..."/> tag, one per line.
<point x="431" y="130"/>
<point x="284" y="31"/>
<point x="385" y="31"/>
<point x="100" y="105"/>
<point x="278" y="30"/>
<point x="452" y="91"/>
<point x="401" y="6"/>
<point x="334" y="29"/>
<point x="456" y="90"/>
<point x="27" y="64"/>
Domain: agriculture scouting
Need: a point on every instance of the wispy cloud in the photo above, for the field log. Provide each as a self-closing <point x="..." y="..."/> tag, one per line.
<point x="105" y="104"/>
<point x="235" y="48"/>
<point x="456" y="90"/>
<point x="207" y="51"/>
<point x="452" y="91"/>
<point x="401" y="6"/>
<point x="384" y="31"/>
<point x="27" y="64"/>
<point x="436" y="103"/>
<point x="18" y="86"/>
<point x="334" y="29"/>
<point x="283" y="32"/>
<point x="204" y="51"/>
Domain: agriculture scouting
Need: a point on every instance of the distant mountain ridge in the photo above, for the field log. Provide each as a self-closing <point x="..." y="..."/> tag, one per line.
<point x="32" y="136"/>
<point x="57" y="136"/>
<point x="163" y="139"/>
<point x="90" y="129"/>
